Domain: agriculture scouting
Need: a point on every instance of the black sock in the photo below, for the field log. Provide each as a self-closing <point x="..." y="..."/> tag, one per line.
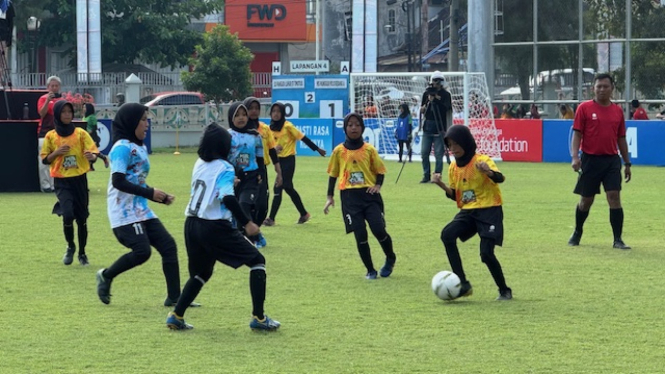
<point x="387" y="246"/>
<point x="83" y="236"/>
<point x="493" y="265"/>
<point x="455" y="260"/>
<point x="189" y="293"/>
<point x="69" y="234"/>
<point x="616" y="220"/>
<point x="274" y="208"/>
<point x="172" y="275"/>
<point x="580" y="217"/>
<point x="257" y="288"/>
<point x="366" y="256"/>
<point x="121" y="265"/>
<point x="295" y="197"/>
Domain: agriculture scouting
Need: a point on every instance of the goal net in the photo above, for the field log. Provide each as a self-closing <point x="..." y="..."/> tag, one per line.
<point x="378" y="97"/>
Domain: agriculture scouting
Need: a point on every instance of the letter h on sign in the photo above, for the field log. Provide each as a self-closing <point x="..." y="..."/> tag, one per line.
<point x="265" y="13"/>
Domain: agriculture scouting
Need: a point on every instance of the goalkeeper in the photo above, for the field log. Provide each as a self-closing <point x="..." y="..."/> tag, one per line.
<point x="435" y="105"/>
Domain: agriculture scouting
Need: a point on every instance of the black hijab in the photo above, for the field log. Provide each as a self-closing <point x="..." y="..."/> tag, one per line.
<point x="277" y="125"/>
<point x="89" y="109"/>
<point x="233" y="110"/>
<point x="405" y="110"/>
<point x="462" y="136"/>
<point x="215" y="143"/>
<point x="354" y="144"/>
<point x="126" y="121"/>
<point x="61" y="128"/>
<point x="252" y="123"/>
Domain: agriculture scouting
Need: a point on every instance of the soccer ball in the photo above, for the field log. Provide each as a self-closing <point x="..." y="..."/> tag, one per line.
<point x="446" y="285"/>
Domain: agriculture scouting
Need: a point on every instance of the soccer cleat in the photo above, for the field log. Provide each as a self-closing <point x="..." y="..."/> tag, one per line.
<point x="465" y="290"/>
<point x="619" y="244"/>
<point x="506" y="294"/>
<point x="304" y="218"/>
<point x="103" y="287"/>
<point x="267" y="324"/>
<point x="262" y="242"/>
<point x="575" y="239"/>
<point x="425" y="180"/>
<point x="177" y="323"/>
<point x="387" y="268"/>
<point x="171" y="303"/>
<point x="68" y="258"/>
<point x="83" y="260"/>
<point x="371" y="275"/>
<point x="269" y="222"/>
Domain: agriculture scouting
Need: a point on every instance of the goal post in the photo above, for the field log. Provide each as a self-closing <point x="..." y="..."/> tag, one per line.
<point x="378" y="96"/>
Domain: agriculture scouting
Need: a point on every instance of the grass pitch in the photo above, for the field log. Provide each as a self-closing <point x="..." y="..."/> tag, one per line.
<point x="589" y="309"/>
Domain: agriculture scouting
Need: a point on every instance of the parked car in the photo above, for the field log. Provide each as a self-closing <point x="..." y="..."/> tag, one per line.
<point x="173" y="98"/>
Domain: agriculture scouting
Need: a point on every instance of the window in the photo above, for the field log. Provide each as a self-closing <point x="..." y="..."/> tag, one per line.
<point x="391" y="21"/>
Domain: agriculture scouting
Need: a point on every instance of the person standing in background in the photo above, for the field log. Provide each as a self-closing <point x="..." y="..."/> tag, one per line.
<point x="46" y="124"/>
<point x="637" y="111"/>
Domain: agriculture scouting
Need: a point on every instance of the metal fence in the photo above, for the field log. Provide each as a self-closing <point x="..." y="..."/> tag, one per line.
<point x="104" y="87"/>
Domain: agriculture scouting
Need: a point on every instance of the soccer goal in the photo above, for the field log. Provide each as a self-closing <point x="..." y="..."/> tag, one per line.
<point x="378" y="97"/>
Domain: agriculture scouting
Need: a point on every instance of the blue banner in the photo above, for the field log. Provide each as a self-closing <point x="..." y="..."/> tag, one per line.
<point x="644" y="138"/>
<point x="104" y="132"/>
<point x="320" y="131"/>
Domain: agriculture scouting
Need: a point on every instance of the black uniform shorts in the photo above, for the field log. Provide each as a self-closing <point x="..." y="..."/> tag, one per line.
<point x="597" y="170"/>
<point x="73" y="197"/>
<point x="208" y="241"/>
<point x="359" y="206"/>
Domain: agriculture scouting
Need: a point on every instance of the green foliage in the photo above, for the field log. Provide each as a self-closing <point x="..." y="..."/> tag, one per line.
<point x="589" y="309"/>
<point x="221" y="67"/>
<point x="151" y="31"/>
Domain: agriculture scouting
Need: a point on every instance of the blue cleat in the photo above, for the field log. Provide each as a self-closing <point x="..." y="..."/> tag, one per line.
<point x="261" y="242"/>
<point x="387" y="268"/>
<point x="267" y="324"/>
<point x="177" y="323"/>
<point x="371" y="275"/>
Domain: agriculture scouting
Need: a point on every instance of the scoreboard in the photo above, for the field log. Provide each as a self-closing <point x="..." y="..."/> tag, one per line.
<point x="312" y="96"/>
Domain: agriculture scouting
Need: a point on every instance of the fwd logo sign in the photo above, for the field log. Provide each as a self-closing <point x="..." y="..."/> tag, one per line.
<point x="262" y="15"/>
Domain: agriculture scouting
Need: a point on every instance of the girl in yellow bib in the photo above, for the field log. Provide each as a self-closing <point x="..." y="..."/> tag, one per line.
<point x="474" y="184"/>
<point x="69" y="151"/>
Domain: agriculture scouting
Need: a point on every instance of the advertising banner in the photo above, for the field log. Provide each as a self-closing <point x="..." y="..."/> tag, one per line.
<point x="520" y="139"/>
<point x="267" y="20"/>
<point x="318" y="130"/>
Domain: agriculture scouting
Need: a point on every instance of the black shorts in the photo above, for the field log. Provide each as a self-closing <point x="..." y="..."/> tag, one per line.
<point x="73" y="197"/>
<point x="597" y="170"/>
<point x="248" y="188"/>
<point x="486" y="222"/>
<point x="140" y="236"/>
<point x="359" y="206"/>
<point x="208" y="241"/>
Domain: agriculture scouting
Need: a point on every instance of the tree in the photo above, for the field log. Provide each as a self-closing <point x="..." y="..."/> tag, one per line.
<point x="221" y="67"/>
<point x="150" y="31"/>
<point x="648" y="58"/>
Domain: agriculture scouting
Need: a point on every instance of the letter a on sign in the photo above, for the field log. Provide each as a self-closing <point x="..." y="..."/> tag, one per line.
<point x="344" y="68"/>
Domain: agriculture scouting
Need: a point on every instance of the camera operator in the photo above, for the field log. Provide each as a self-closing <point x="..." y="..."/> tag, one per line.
<point x="435" y="105"/>
<point x="46" y="124"/>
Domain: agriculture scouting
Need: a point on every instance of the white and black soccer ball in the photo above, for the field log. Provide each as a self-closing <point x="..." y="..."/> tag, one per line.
<point x="446" y="285"/>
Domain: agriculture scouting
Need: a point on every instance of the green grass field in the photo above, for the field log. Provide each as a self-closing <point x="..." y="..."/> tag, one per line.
<point x="590" y="309"/>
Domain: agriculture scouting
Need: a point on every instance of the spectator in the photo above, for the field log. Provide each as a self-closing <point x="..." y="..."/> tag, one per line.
<point x="661" y="115"/>
<point x="506" y="112"/>
<point x="46" y="124"/>
<point x="370" y="108"/>
<point x="638" y="112"/>
<point x="566" y="112"/>
<point x="534" y="112"/>
<point x="435" y="104"/>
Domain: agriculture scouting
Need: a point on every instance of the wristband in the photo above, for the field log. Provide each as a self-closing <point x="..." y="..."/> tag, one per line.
<point x="629" y="164"/>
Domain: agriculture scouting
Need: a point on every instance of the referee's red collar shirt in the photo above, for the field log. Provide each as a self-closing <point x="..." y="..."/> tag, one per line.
<point x="600" y="126"/>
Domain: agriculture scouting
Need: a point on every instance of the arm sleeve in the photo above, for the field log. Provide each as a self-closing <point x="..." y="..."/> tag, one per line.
<point x="452" y="196"/>
<point x="273" y="156"/>
<point x="497" y="177"/>
<point x="233" y="205"/>
<point x="380" y="178"/>
<point x="121" y="183"/>
<point x="310" y="143"/>
<point x="331" y="186"/>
